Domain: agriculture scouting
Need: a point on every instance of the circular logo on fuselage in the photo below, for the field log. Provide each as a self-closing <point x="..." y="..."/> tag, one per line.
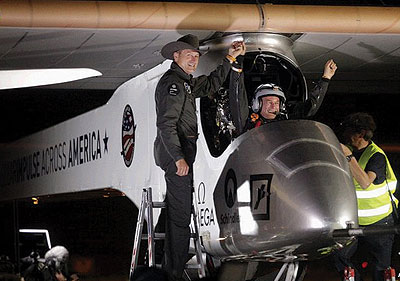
<point x="128" y="135"/>
<point x="230" y="188"/>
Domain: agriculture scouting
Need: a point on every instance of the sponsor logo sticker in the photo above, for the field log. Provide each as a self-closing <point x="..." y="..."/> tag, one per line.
<point x="128" y="135"/>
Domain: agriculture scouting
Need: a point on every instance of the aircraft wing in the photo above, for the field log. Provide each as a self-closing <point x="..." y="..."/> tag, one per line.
<point x="118" y="54"/>
<point x="364" y="60"/>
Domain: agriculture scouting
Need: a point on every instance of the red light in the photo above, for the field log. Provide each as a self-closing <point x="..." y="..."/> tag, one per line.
<point x="364" y="264"/>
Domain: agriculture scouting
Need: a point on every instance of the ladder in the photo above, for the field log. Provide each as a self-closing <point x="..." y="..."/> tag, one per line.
<point x="146" y="213"/>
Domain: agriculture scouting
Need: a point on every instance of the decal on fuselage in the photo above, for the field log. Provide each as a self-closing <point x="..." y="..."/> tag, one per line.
<point x="260" y="191"/>
<point x="205" y="214"/>
<point x="230" y="188"/>
<point x="201" y="194"/>
<point x="230" y="194"/>
<point x="128" y="135"/>
<point x="55" y="158"/>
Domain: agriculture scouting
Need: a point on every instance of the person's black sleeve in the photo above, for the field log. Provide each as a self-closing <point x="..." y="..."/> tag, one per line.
<point x="310" y="107"/>
<point x="169" y="108"/>
<point x="238" y="102"/>
<point x="377" y="164"/>
<point x="208" y="85"/>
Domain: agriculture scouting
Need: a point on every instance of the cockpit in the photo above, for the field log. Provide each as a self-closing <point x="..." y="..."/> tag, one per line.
<point x="267" y="60"/>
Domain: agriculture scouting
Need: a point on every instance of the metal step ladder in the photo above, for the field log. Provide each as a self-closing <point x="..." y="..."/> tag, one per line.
<point x="146" y="213"/>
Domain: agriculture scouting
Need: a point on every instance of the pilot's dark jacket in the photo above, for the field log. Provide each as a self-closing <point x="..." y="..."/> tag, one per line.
<point x="239" y="103"/>
<point x="176" y="139"/>
<point x="310" y="107"/>
<point x="176" y="109"/>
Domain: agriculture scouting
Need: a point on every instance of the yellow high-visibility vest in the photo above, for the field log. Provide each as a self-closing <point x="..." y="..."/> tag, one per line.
<point x="374" y="202"/>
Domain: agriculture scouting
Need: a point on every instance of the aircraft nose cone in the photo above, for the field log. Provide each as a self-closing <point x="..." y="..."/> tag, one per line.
<point x="292" y="186"/>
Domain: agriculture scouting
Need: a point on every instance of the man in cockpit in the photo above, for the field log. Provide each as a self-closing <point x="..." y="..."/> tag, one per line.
<point x="269" y="102"/>
<point x="268" y="105"/>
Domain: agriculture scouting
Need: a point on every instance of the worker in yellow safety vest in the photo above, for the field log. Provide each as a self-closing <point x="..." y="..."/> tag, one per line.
<point x="375" y="184"/>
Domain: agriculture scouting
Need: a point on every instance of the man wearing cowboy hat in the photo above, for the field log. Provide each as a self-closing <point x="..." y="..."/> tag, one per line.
<point x="175" y="144"/>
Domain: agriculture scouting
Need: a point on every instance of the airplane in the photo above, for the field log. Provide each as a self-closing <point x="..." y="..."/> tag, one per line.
<point x="263" y="196"/>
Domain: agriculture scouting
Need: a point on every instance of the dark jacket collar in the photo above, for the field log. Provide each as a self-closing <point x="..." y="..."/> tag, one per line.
<point x="279" y="117"/>
<point x="265" y="120"/>
<point x="179" y="71"/>
<point x="358" y="153"/>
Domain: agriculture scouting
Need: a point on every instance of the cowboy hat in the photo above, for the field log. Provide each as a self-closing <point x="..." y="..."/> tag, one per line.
<point x="188" y="41"/>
